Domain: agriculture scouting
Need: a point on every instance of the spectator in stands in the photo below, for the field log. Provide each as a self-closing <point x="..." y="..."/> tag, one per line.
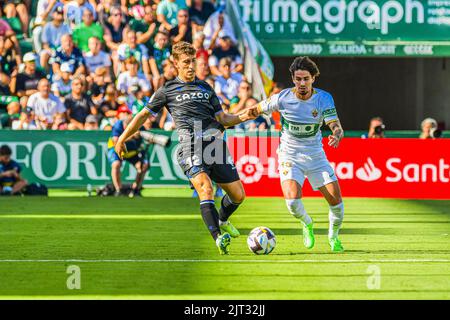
<point x="60" y="122"/>
<point x="14" y="8"/>
<point x="202" y="71"/>
<point x="137" y="99"/>
<point x="183" y="30"/>
<point x="52" y="33"/>
<point x="63" y="86"/>
<point x="133" y="8"/>
<point x="8" y="36"/>
<point x="376" y="128"/>
<point x="9" y="103"/>
<point x="218" y="25"/>
<point x="78" y="104"/>
<point x="167" y="13"/>
<point x="43" y="10"/>
<point x="26" y="82"/>
<point x="101" y="79"/>
<point x="159" y="53"/>
<point x="227" y="84"/>
<point x="238" y="103"/>
<point x="108" y="107"/>
<point x="104" y="9"/>
<point x="96" y="58"/>
<point x="225" y="49"/>
<point x="25" y="122"/>
<point x="87" y="29"/>
<point x="169" y="71"/>
<point x="74" y="11"/>
<point x="91" y="123"/>
<point x="146" y="28"/>
<point x="67" y="52"/>
<point x="44" y="105"/>
<point x="198" y="40"/>
<point x="130" y="48"/>
<point x="114" y="29"/>
<point x="11" y="182"/>
<point x="200" y="11"/>
<point x="429" y="126"/>
<point x="131" y="77"/>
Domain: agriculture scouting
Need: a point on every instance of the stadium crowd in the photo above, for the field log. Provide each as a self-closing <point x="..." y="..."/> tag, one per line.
<point x="93" y="59"/>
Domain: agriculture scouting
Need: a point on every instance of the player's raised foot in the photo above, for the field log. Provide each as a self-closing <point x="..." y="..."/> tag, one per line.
<point x="336" y="245"/>
<point x="227" y="227"/>
<point x="223" y="242"/>
<point x="308" y="235"/>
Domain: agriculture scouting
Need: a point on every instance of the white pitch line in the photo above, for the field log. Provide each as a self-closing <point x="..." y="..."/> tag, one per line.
<point x="228" y="261"/>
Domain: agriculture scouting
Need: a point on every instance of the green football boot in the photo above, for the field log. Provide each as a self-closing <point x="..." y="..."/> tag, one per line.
<point x="336" y="245"/>
<point x="229" y="228"/>
<point x="308" y="235"/>
<point x="223" y="242"/>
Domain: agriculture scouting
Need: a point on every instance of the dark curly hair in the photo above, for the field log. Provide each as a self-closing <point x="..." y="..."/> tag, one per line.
<point x="304" y="63"/>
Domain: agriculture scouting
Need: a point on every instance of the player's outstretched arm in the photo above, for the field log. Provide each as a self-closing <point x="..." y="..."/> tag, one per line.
<point x="229" y="120"/>
<point x="338" y="133"/>
<point x="130" y="130"/>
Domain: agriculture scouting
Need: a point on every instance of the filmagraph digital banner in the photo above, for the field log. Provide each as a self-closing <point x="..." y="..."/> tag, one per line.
<point x="350" y="27"/>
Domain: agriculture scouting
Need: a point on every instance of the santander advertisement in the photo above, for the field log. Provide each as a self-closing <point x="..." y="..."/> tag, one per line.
<point x="386" y="168"/>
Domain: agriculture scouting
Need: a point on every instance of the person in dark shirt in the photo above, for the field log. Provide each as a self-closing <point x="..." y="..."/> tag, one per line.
<point x="203" y="154"/>
<point x="200" y="12"/>
<point x="183" y="30"/>
<point x="226" y="49"/>
<point x="67" y="52"/>
<point x="10" y="180"/>
<point x="27" y="81"/>
<point x="78" y="105"/>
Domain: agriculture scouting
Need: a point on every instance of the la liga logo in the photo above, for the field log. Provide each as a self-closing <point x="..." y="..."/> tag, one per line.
<point x="250" y="169"/>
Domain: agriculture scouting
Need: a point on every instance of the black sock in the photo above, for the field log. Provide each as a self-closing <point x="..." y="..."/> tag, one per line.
<point x="210" y="217"/>
<point x="227" y="208"/>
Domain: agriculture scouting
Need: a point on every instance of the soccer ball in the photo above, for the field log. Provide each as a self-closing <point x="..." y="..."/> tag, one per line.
<point x="261" y="240"/>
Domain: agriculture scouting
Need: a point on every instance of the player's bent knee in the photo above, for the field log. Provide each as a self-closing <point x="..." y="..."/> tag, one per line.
<point x="239" y="197"/>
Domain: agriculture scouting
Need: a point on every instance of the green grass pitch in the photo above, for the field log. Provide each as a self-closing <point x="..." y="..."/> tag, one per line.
<point x="157" y="247"/>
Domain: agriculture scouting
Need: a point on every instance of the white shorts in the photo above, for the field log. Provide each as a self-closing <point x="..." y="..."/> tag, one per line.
<point x="298" y="166"/>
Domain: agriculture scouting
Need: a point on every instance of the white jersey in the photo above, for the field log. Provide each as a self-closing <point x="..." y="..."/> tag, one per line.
<point x="301" y="119"/>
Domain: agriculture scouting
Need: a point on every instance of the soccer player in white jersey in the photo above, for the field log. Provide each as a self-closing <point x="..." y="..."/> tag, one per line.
<point x="300" y="153"/>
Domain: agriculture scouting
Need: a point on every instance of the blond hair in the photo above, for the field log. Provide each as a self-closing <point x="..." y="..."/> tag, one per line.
<point x="183" y="47"/>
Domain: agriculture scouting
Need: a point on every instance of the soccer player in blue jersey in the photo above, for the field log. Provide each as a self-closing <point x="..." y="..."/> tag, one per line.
<point x="203" y="154"/>
<point x="303" y="109"/>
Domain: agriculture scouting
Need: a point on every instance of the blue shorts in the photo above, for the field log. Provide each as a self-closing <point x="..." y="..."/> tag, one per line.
<point x="139" y="157"/>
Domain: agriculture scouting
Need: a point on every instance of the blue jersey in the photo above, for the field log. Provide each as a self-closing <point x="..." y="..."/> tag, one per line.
<point x="12" y="165"/>
<point x="133" y="145"/>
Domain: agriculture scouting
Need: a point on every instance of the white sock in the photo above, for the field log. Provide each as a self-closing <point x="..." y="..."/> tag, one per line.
<point x="297" y="209"/>
<point x="221" y="223"/>
<point x="336" y="216"/>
